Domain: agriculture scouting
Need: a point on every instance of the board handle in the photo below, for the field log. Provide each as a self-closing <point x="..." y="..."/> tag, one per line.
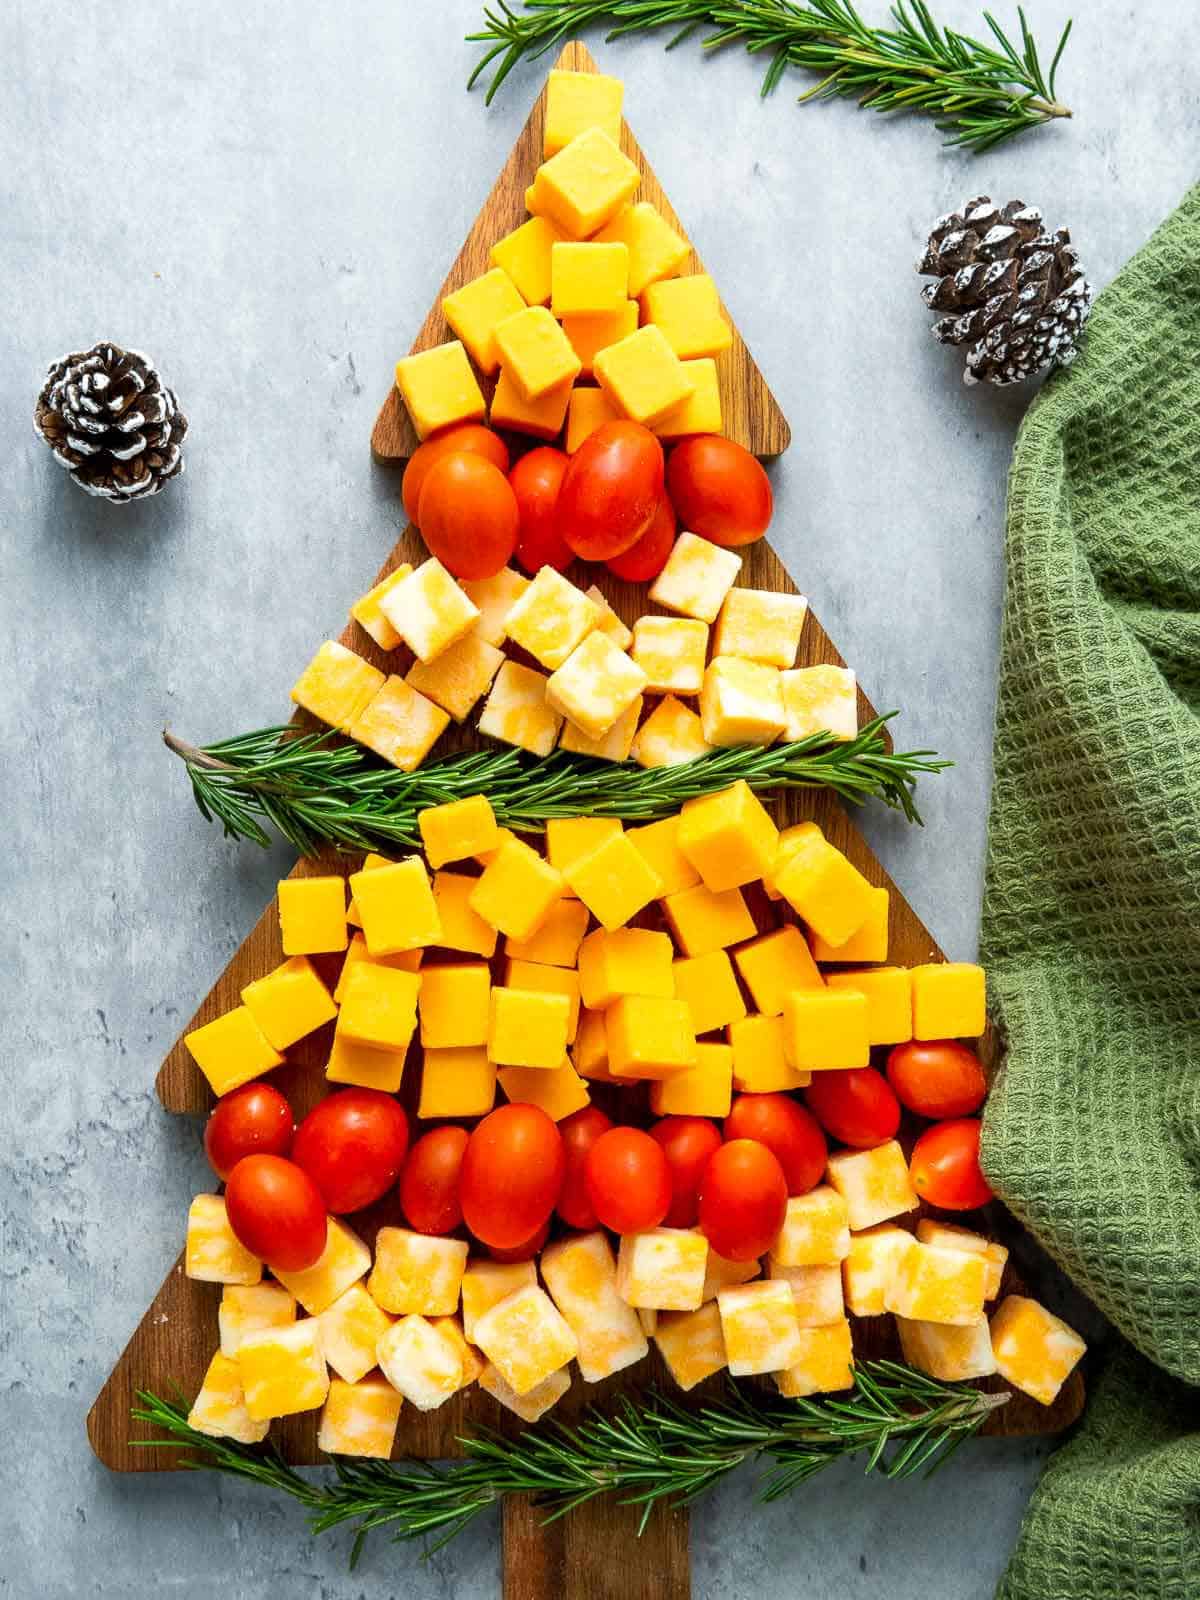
<point x="594" y="1553"/>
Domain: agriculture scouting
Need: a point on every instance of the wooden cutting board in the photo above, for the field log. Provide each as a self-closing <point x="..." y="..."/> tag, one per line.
<point x="592" y="1553"/>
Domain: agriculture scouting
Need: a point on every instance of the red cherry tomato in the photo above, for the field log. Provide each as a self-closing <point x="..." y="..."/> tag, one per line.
<point x="687" y="1143"/>
<point x="743" y="1200"/>
<point x="792" y="1135"/>
<point x="471" y="437"/>
<point x="611" y="491"/>
<point x="579" y="1133"/>
<point x="719" y="490"/>
<point x="629" y="1180"/>
<point x="937" y="1077"/>
<point x="352" y="1146"/>
<point x="945" y="1166"/>
<point x="431" y="1180"/>
<point x="536" y="480"/>
<point x="531" y="1248"/>
<point x="276" y="1211"/>
<point x="856" y="1105"/>
<point x="647" y="558"/>
<point x="512" y="1175"/>
<point x="468" y="516"/>
<point x="252" y="1120"/>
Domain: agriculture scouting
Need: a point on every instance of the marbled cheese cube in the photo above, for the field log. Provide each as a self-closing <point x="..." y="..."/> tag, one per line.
<point x="708" y="985"/>
<point x="817" y="1292"/>
<point x="439" y="388"/>
<point x="614" y="881"/>
<point x="704" y="921"/>
<point x="869" y="942"/>
<point x="760" y="1065"/>
<point x="728" y="836"/>
<point x="485" y="1283"/>
<point x="231" y="1050"/>
<point x="246" y="1308"/>
<point x="616" y="743"/>
<point x="610" y="623"/>
<point x="558" y="1091"/>
<point x="688" y="311"/>
<point x="525" y="256"/>
<point x="691" y="1343"/>
<point x="429" y="610"/>
<point x="370" y="618"/>
<point x="815" y="1231"/>
<point x="359" y="1418"/>
<point x="536" y="354"/>
<point x="398" y="913"/>
<point x="759" y="625"/>
<point x="283" y="1370"/>
<point x="290" y="1002"/>
<point x="824" y="887"/>
<point x="517" y="712"/>
<point x="700" y="411"/>
<point x="587" y="409"/>
<point x="740" y="702"/>
<point x="458" y="1081"/>
<point x="775" y="964"/>
<point x="595" y="685"/>
<point x="494" y="598"/>
<point x="642" y="376"/>
<point x="420" y="1362"/>
<point x="584" y="1283"/>
<point x="874" y="1184"/>
<point x="659" y="843"/>
<point x="649" y="1037"/>
<point x="947" y="1236"/>
<point x="220" y="1407"/>
<point x="656" y="249"/>
<point x="463" y="928"/>
<point x="459" y="678"/>
<point x="758" y="1322"/>
<point x="350" y="1330"/>
<point x="819" y="700"/>
<point x="670" y="735"/>
<point x="517" y="890"/>
<point x="625" y="961"/>
<point x="472" y="1362"/>
<point x="364" y="1067"/>
<point x="888" y="993"/>
<point x="542" y="418"/>
<point x="336" y="685"/>
<point x="551" y="618"/>
<point x="648" y="1318"/>
<point x="312" y="914"/>
<point x="214" y="1253"/>
<point x="722" y="1273"/>
<point x="528" y="1028"/>
<point x="824" y="1362"/>
<point x="697" y="577"/>
<point x="662" y="1268"/>
<point x="417" y="1272"/>
<point x="951" y="1353"/>
<point x="526" y="1338"/>
<point x="535" y="1403"/>
<point x="932" y="1285"/>
<point x="875" y="1253"/>
<point x="949" y="1001"/>
<point x="379" y="1008"/>
<point x="585" y="183"/>
<point x="672" y="652"/>
<point x="474" y="311"/>
<point x="453" y="1004"/>
<point x="826" y="1029"/>
<point x="556" y="943"/>
<point x="1034" y="1349"/>
<point x="344" y="1260"/>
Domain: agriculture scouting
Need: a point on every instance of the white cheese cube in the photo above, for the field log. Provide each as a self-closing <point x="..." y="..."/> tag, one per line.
<point x="932" y="1285"/>
<point x="1034" y="1349"/>
<point x="758" y="1322"/>
<point x="610" y="623"/>
<point x="819" y="700"/>
<point x="551" y="618"/>
<point x="344" y="1260"/>
<point x="740" y="702"/>
<point x="517" y="712"/>
<point x="245" y="1308"/>
<point x="874" y="1183"/>
<point x="721" y="1273"/>
<point x="359" y="1419"/>
<point x="283" y="1370"/>
<point x="495" y="598"/>
<point x="459" y="677"/>
<point x="429" y="611"/>
<point x="815" y="1231"/>
<point x="472" y="1362"/>
<point x="948" y="1352"/>
<point x="817" y="1292"/>
<point x="947" y="1236"/>
<point x="648" y="1317"/>
<point x="595" y="685"/>
<point x="535" y="1402"/>
<point x="214" y="1254"/>
<point x="417" y="1272"/>
<point x="400" y="725"/>
<point x="351" y="1328"/>
<point x="697" y="577"/>
<point x="691" y="1343"/>
<point x="581" y="1276"/>
<point x="485" y="1283"/>
<point x="616" y="743"/>
<point x="824" y="1362"/>
<point x="759" y="625"/>
<point x="526" y="1338"/>
<point x="870" y="1266"/>
<point x="370" y="618"/>
<point x="662" y="1268"/>
<point x="421" y="1362"/>
<point x="672" y="652"/>
<point x="220" y="1407"/>
<point x="670" y="735"/>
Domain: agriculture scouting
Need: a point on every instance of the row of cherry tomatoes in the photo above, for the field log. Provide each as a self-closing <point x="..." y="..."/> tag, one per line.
<point x="617" y="499"/>
<point x="507" y="1177"/>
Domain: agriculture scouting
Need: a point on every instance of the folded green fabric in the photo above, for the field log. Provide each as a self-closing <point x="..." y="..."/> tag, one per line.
<point x="1091" y="928"/>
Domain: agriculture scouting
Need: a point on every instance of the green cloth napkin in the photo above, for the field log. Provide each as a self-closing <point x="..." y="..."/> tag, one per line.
<point x="1091" y="926"/>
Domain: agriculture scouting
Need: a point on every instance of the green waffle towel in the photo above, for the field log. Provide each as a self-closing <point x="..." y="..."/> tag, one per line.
<point x="1091" y="926"/>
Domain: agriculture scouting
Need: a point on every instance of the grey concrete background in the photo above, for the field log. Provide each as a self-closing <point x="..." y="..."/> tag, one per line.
<point x="265" y="198"/>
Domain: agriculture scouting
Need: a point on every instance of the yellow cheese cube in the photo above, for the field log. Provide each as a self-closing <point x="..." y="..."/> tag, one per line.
<point x="542" y="418"/>
<point x="820" y="700"/>
<point x="587" y="410"/>
<point x="312" y="915"/>
<point x="728" y="836"/>
<point x="614" y="881"/>
<point x="453" y="1005"/>
<point x="570" y="839"/>
<point x="289" y="1002"/>
<point x="824" y="1362"/>
<point x="551" y="618"/>
<point x="417" y="1272"/>
<point x="648" y="1318"/>
<point x="350" y="1062"/>
<point x="932" y="1285"/>
<point x="379" y="1008"/>
<point x="521" y="974"/>
<point x="517" y="890"/>
<point x="532" y="1405"/>
<point x="556" y="943"/>
<point x="576" y="101"/>
<point x="590" y="334"/>
<point x="439" y="388"/>
<point x="400" y="725"/>
<point x="670" y="735"/>
<point x="702" y="920"/>
<point x="649" y="1037"/>
<point x="610" y="623"/>
<point x="525" y="256"/>
<point x="370" y="861"/>
<point x="360" y="1418"/>
<point x="458" y="830"/>
<point x="397" y="908"/>
<point x="462" y="926"/>
<point x="888" y="994"/>
<point x="337" y="685"/>
<point x="474" y="311"/>
<point x="760" y="1065"/>
<point x="220" y="1407"/>
<point x="691" y="1343"/>
<point x="283" y="1370"/>
<point x="351" y="1328"/>
<point x="624" y="962"/>
<point x="231" y="1049"/>
<point x="720" y="1273"/>
<point x="558" y="1092"/>
<point x="949" y="1001"/>
<point x="429" y="610"/>
<point x="526" y="1338"/>
<point x="705" y="1090"/>
<point x="420" y="1361"/>
<point x="457" y="1082"/>
<point x="536" y="354"/>
<point x="595" y="685"/>
<point x="874" y="1183"/>
<point x="775" y="964"/>
<point x="585" y="183"/>
<point x="658" y="842"/>
<point x="662" y="1268"/>
<point x="370" y="618"/>
<point x="949" y="1352"/>
<point x="868" y="943"/>
<point x="589" y="279"/>
<point x="671" y="651"/>
<point x="817" y="1292"/>
<point x="528" y="1028"/>
<point x="815" y="1231"/>
<point x="494" y="598"/>
<point x="615" y="745"/>
<point x="656" y="250"/>
<point x="758" y="1322"/>
<point x="688" y="313"/>
<point x="584" y="1282"/>
<point x="759" y="625"/>
<point x="708" y="985"/>
<point x="1034" y="1349"/>
<point x="344" y="1260"/>
<point x="697" y="577"/>
<point x="458" y="678"/>
<point x="214" y="1253"/>
<point x="245" y="1308"/>
<point x="823" y="887"/>
<point x="700" y="411"/>
<point x="485" y="1283"/>
<point x="642" y="375"/>
<point x="740" y="702"/>
<point x="517" y="711"/>
<point x="870" y="1266"/>
<point x="948" y="1236"/>
<point x="590" y="1055"/>
<point x="486" y="857"/>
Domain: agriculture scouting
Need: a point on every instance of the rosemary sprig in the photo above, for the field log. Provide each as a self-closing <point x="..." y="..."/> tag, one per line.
<point x="317" y="793"/>
<point x="979" y="91"/>
<point x="647" y="1455"/>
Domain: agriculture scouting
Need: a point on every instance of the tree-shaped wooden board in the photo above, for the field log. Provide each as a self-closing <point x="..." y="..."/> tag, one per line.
<point x="592" y="1553"/>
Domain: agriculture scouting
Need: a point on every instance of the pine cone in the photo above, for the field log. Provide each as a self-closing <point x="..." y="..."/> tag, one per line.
<point x="1018" y="294"/>
<point x="112" y="422"/>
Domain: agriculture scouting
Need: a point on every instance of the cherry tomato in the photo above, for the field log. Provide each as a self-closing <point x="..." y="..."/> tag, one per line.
<point x="647" y="558"/>
<point x="629" y="1180"/>
<point x="468" y="516"/>
<point x="792" y="1135"/>
<point x="471" y="437"/>
<point x="719" y="490"/>
<point x="579" y="1133"/>
<point x="431" y="1181"/>
<point x="536" y="480"/>
<point x="276" y="1211"/>
<point x="611" y="490"/>
<point x="352" y="1146"/>
<point x="937" y="1077"/>
<point x="252" y="1120"/>
<point x="945" y="1166"/>
<point x="531" y="1248"/>
<point x="855" y="1105"/>
<point x="743" y="1200"/>
<point x="512" y="1175"/>
<point x="687" y="1143"/>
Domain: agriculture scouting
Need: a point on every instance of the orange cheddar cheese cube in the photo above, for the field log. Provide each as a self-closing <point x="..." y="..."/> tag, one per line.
<point x="649" y="1037"/>
<point x="231" y="1049"/>
<point x="614" y="881"/>
<point x="532" y="975"/>
<point x="312" y="915"/>
<point x="672" y="652"/>
<point x="585" y="183"/>
<point x="246" y="1308"/>
<point x="590" y="1055"/>
<point x="453" y="1005"/>
<point x="948" y="1236"/>
<point x="588" y="279"/>
<point x="874" y="1183"/>
<point x="528" y="1028"/>
<point x="542" y="418"/>
<point x="517" y="711"/>
<point x="536" y="354"/>
<point x="949" y="1001"/>
<point x="397" y="908"/>
<point x="659" y="843"/>
<point x="370" y="618"/>
<point x="760" y="1064"/>
<point x="595" y="685"/>
<point x="947" y="1351"/>
<point x="1034" y="1349"/>
<point x="360" y="1418"/>
<point x="379" y="1008"/>
<point x="458" y="1081"/>
<point x="728" y="836"/>
<point x="558" y="1092"/>
<point x="556" y="943"/>
<point x="656" y="250"/>
<point x="485" y="1283"/>
<point x="290" y="1002"/>
<point x="758" y="1322"/>
<point x="439" y="388"/>
<point x="494" y="598"/>
<point x="337" y="685"/>
<point x="219" y="1408"/>
<point x="642" y="376"/>
<point x="703" y="920"/>
<point x="351" y="1328"/>
<point x="819" y="700"/>
<point x="790" y="840"/>
<point x="474" y="311"/>
<point x="429" y="610"/>
<point x="815" y="1231"/>
<point x="283" y="1370"/>
<point x="344" y="1260"/>
<point x="525" y="255"/>
<point x="627" y="961"/>
<point x="370" y="861"/>
<point x="670" y="735"/>
<point x="868" y="943"/>
<point x="459" y="677"/>
<point x="417" y="1273"/>
<point x="824" y="1362"/>
<point x="888" y="994"/>
<point x="421" y="1362"/>
<point x="817" y="1291"/>
<point x="551" y="618"/>
<point x="569" y="839"/>
<point x="740" y="702"/>
<point x="214" y="1253"/>
<point x="591" y="334"/>
<point x="517" y="890"/>
<point x="457" y="830"/>
<point x="870" y="1266"/>
<point x="532" y="1405"/>
<point x="691" y="1344"/>
<point x="463" y="929"/>
<point x="587" y="409"/>
<point x="721" y="1273"/>
<point x="662" y="1269"/>
<point x="583" y="1280"/>
<point x="576" y="101"/>
<point x="932" y="1285"/>
<point x="759" y="625"/>
<point x="824" y="888"/>
<point x="697" y="577"/>
<point x="359" y="1064"/>
<point x="526" y="1338"/>
<point x="400" y="724"/>
<point x="705" y="1090"/>
<point x="708" y="985"/>
<point x="700" y="411"/>
<point x="687" y="311"/>
<point x="775" y="964"/>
